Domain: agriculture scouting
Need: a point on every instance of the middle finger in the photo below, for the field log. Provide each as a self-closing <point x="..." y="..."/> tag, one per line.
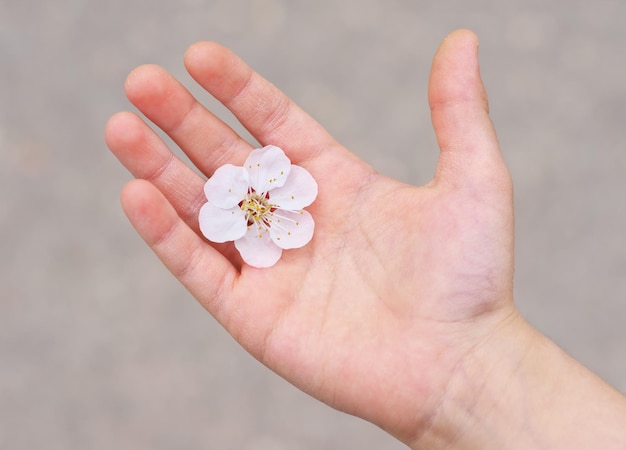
<point x="207" y="140"/>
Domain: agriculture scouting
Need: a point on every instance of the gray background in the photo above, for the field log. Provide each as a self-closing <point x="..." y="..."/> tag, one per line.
<point x="100" y="347"/>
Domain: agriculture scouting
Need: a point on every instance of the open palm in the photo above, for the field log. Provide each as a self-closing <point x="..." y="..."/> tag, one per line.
<point x="398" y="285"/>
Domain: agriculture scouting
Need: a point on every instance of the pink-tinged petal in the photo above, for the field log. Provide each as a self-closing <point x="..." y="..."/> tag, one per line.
<point x="268" y="168"/>
<point x="291" y="229"/>
<point x="222" y="225"/>
<point x="227" y="187"/>
<point x="299" y="190"/>
<point x="257" y="249"/>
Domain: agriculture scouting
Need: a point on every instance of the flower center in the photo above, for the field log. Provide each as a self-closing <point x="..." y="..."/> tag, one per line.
<point x="256" y="208"/>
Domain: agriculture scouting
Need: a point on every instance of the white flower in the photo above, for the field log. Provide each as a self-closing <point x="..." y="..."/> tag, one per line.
<point x="259" y="206"/>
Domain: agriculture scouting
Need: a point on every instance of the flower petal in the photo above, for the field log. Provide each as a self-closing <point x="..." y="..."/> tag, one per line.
<point x="268" y="168"/>
<point x="291" y="229"/>
<point x="222" y="225"/>
<point x="299" y="190"/>
<point x="227" y="187"/>
<point x="257" y="249"/>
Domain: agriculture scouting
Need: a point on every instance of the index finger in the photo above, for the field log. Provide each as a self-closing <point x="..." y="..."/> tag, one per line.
<point x="266" y="112"/>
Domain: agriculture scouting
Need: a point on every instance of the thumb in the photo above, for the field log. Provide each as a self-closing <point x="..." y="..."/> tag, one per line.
<point x="470" y="154"/>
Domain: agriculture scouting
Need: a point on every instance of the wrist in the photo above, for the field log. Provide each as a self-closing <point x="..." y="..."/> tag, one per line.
<point x="480" y="401"/>
<point x="517" y="389"/>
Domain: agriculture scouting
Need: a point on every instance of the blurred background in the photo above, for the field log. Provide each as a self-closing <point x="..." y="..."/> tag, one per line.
<point x="101" y="348"/>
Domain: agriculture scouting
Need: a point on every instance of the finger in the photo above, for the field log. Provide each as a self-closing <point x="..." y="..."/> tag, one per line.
<point x="208" y="141"/>
<point x="268" y="114"/>
<point x="197" y="265"/>
<point x="147" y="157"/>
<point x="460" y="114"/>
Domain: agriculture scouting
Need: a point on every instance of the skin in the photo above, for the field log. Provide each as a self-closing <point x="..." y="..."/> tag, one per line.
<point x="400" y="310"/>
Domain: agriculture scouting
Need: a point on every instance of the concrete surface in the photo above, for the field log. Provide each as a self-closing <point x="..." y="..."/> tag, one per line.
<point x="100" y="348"/>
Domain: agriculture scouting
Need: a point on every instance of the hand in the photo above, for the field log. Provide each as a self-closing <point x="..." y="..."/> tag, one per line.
<point x="400" y="284"/>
